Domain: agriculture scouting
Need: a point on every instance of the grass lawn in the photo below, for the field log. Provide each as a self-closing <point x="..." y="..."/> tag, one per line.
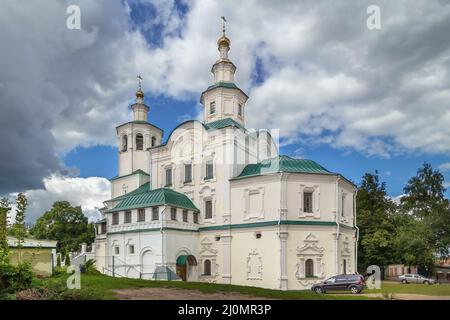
<point x="425" y="289"/>
<point x="100" y="286"/>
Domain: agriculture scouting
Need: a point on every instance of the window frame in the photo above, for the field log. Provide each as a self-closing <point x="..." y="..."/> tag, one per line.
<point x="208" y="205"/>
<point x="187" y="165"/>
<point x="155" y="213"/>
<point x="309" y="268"/>
<point x="195" y="217"/>
<point x="185" y="215"/>
<point x="240" y="110"/>
<point x="139" y="217"/>
<point x="129" y="249"/>
<point x="115" y="218"/>
<point x="127" y="217"/>
<point x="209" y="164"/>
<point x="173" y="214"/>
<point x="124" y="143"/>
<point x="140" y="145"/>
<point x="167" y="170"/>
<point x="212" y="107"/>
<point x="305" y="205"/>
<point x="207" y="267"/>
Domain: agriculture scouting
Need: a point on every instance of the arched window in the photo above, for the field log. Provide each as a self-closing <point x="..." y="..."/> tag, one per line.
<point x="153" y="141"/>
<point x="207" y="268"/>
<point x="139" y="142"/>
<point x="124" y="143"/>
<point x="309" y="268"/>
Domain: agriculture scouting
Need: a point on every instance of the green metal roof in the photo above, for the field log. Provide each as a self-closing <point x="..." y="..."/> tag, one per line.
<point x="181" y="260"/>
<point x="144" y="188"/>
<point x="139" y="171"/>
<point x="163" y="196"/>
<point x="223" y="123"/>
<point x="282" y="164"/>
<point x="228" y="85"/>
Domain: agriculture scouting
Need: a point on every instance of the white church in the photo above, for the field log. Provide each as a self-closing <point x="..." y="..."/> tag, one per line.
<point x="215" y="202"/>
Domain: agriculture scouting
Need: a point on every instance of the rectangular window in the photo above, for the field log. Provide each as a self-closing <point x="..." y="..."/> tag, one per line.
<point x="342" y="204"/>
<point x="209" y="169"/>
<point x="116" y="250"/>
<point x="195" y="216"/>
<point x="307" y="202"/>
<point x="208" y="209"/>
<point x="155" y="213"/>
<point x="185" y="216"/>
<point x="240" y="110"/>
<point x="115" y="218"/>
<point x="212" y="107"/>
<point x="169" y="177"/>
<point x="103" y="228"/>
<point x="188" y="172"/>
<point x="141" y="215"/>
<point x="127" y="216"/>
<point x="173" y="214"/>
<point x="131" y="249"/>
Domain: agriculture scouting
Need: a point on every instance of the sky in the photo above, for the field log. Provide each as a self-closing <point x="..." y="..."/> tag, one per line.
<point x="351" y="98"/>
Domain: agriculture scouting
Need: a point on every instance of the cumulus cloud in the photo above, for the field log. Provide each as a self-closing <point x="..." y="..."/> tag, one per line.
<point x="89" y="193"/>
<point x="311" y="68"/>
<point x="444" y="166"/>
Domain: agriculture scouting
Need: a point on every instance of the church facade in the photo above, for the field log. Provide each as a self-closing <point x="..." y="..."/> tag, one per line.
<point x="215" y="202"/>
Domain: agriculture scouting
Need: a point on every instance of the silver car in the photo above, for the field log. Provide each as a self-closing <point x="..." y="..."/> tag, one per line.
<point x="415" y="278"/>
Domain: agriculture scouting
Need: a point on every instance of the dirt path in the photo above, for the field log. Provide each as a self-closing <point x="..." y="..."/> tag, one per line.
<point x="405" y="296"/>
<point x="179" y="294"/>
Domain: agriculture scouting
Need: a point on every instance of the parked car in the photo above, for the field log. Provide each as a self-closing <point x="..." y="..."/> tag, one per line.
<point x="343" y="282"/>
<point x="415" y="278"/>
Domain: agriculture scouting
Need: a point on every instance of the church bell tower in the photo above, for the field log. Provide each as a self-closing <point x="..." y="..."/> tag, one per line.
<point x="223" y="99"/>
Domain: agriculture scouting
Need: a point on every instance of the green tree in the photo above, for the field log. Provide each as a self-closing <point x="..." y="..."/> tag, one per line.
<point x="66" y="224"/>
<point x="19" y="230"/>
<point x="67" y="260"/>
<point x="5" y="207"/>
<point x="412" y="242"/>
<point x="424" y="199"/>
<point x="374" y="219"/>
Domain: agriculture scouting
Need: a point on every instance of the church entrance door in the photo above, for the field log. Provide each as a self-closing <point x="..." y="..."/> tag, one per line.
<point x="183" y="262"/>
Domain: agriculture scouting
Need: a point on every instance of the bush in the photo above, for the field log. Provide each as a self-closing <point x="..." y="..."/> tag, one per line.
<point x="89" y="267"/>
<point x="16" y="278"/>
<point x="67" y="260"/>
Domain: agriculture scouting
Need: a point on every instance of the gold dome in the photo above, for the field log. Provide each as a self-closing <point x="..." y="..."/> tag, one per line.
<point x="223" y="40"/>
<point x="139" y="94"/>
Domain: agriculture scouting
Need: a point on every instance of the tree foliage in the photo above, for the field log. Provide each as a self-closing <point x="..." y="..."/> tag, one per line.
<point x="412" y="233"/>
<point x="19" y="230"/>
<point x="424" y="199"/>
<point x="66" y="224"/>
<point x="5" y="207"/>
<point x="374" y="219"/>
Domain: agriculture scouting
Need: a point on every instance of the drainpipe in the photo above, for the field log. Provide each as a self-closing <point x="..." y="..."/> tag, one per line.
<point x="337" y="226"/>
<point x="357" y="230"/>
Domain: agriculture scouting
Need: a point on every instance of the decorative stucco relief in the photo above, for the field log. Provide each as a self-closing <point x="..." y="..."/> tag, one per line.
<point x="254" y="265"/>
<point x="310" y="250"/>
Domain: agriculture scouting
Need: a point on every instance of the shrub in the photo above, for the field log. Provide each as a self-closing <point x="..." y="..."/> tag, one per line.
<point x="67" y="260"/>
<point x="89" y="267"/>
<point x="16" y="278"/>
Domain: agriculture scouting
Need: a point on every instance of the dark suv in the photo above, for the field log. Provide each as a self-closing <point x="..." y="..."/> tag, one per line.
<point x="343" y="282"/>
